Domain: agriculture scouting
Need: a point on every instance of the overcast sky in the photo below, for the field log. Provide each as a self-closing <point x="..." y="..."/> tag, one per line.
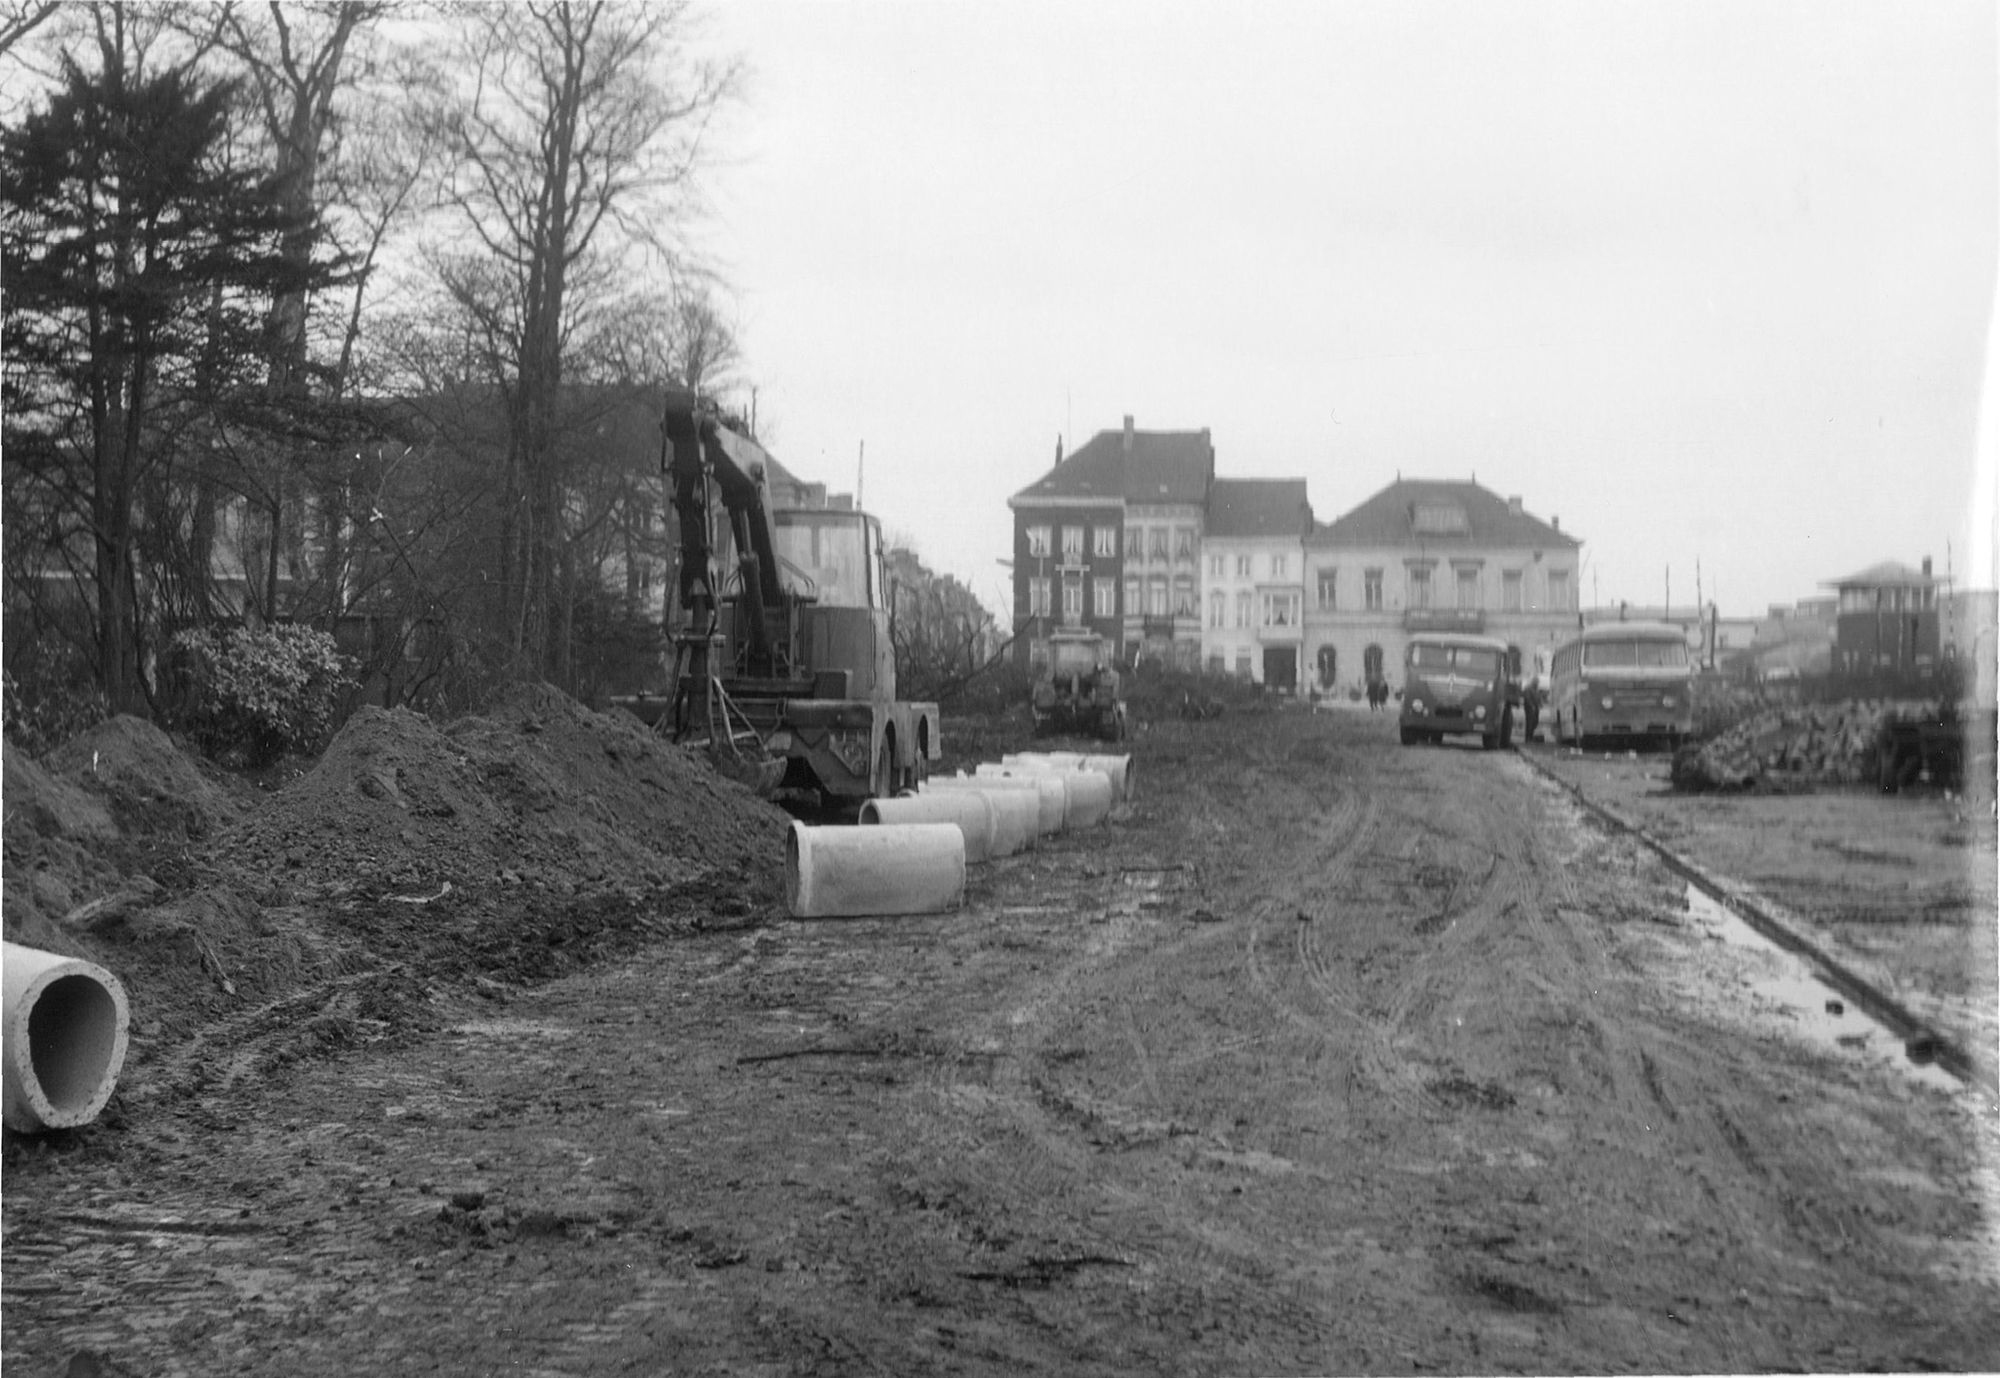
<point x="1705" y="281"/>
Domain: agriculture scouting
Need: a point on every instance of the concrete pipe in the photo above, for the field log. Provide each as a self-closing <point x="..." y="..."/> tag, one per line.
<point x="1058" y="760"/>
<point x="899" y="868"/>
<point x="1050" y="786"/>
<point x="1089" y="797"/>
<point x="1119" y="768"/>
<point x="1017" y="813"/>
<point x="64" y="1038"/>
<point x="969" y="809"/>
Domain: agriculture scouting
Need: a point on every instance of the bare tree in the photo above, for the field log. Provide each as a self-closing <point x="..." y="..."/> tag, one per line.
<point x="574" y="131"/>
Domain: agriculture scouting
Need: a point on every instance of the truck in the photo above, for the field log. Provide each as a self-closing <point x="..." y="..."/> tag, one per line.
<point x="782" y="663"/>
<point x="1455" y="683"/>
<point x="1078" y="691"/>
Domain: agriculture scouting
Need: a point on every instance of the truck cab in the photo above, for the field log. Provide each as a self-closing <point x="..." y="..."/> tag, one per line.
<point x="1456" y="684"/>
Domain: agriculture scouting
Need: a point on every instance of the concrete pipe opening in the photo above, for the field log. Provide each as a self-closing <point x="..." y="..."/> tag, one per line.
<point x="66" y="1023"/>
<point x="970" y="810"/>
<point x="892" y="868"/>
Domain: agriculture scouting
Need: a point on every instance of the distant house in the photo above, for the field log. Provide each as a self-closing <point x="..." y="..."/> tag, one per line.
<point x="1253" y="579"/>
<point x="1108" y="542"/>
<point x="1429" y="555"/>
<point x="1886" y="620"/>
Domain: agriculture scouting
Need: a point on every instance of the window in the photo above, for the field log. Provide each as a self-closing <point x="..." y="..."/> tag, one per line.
<point x="1104" y="541"/>
<point x="1371" y="590"/>
<point x="1072" y="544"/>
<point x="1104" y="597"/>
<point x="1468" y="586"/>
<point x="1217" y="665"/>
<point x="1215" y="563"/>
<point x="1242" y="566"/>
<point x="1038" y="598"/>
<point x="1559" y="591"/>
<point x="1132" y="594"/>
<point x="1420" y="586"/>
<point x="1038" y="541"/>
<point x="1243" y="609"/>
<point x="1243" y="664"/>
<point x="1135" y="542"/>
<point x="1156" y="542"/>
<point x="1327" y="579"/>
<point x="1218" y="610"/>
<point x="1072" y="600"/>
<point x="1510" y="590"/>
<point x="1281" y="608"/>
<point x="1281" y="567"/>
<point x="1184" y="598"/>
<point x="1184" y="543"/>
<point x="1156" y="596"/>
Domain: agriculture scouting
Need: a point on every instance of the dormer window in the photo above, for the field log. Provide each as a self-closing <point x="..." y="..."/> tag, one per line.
<point x="1438" y="519"/>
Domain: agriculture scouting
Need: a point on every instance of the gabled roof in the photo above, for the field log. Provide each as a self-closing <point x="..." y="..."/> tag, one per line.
<point x="1162" y="466"/>
<point x="1245" y="507"/>
<point x="1887" y="575"/>
<point x="1390" y="519"/>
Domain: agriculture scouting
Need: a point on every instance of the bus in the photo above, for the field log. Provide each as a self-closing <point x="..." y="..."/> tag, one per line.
<point x="1624" y="681"/>
<point x="1455" y="684"/>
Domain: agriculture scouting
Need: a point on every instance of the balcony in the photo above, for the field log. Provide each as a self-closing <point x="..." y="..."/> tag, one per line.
<point x="1471" y="620"/>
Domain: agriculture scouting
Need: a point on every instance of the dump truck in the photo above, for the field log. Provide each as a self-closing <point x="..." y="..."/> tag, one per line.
<point x="1078" y="691"/>
<point x="781" y="662"/>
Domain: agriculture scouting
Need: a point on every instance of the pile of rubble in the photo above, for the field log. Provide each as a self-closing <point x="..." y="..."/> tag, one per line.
<point x="1797" y="746"/>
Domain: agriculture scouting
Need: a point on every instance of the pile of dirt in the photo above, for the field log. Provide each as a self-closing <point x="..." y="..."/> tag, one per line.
<point x="509" y="847"/>
<point x="150" y="786"/>
<point x="1797" y="746"/>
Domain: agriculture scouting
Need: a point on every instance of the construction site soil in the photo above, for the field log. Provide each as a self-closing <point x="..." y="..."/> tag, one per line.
<point x="491" y="1048"/>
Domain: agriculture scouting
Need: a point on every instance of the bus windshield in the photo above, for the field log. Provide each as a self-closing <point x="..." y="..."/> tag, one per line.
<point x="1639" y="655"/>
<point x="1469" y="660"/>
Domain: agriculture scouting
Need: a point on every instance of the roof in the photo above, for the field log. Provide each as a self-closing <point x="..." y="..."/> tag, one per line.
<point x="1244" y="507"/>
<point x="1162" y="466"/>
<point x="1389" y="519"/>
<point x="1887" y="575"/>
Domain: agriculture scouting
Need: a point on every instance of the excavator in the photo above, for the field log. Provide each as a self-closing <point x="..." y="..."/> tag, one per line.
<point x="782" y="662"/>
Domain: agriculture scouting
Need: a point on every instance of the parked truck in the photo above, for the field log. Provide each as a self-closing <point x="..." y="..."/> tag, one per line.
<point x="1078" y="691"/>
<point x="781" y="658"/>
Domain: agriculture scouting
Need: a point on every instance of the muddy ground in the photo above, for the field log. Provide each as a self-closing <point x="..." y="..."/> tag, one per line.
<point x="1322" y="1056"/>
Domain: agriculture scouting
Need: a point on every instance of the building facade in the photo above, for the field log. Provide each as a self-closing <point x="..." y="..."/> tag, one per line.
<point x="1108" y="543"/>
<point x="1432" y="555"/>
<point x="1253" y="580"/>
<point x="1886" y="620"/>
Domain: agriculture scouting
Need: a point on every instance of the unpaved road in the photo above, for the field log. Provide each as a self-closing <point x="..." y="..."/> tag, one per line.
<point x="1323" y="1056"/>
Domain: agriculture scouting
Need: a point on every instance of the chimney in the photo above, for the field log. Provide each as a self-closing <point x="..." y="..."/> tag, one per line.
<point x="1556" y="523"/>
<point x="1927" y="566"/>
<point x="1128" y="433"/>
<point x="1514" y="506"/>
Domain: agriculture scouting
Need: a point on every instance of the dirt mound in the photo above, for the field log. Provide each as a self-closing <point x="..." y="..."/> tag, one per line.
<point x="390" y="804"/>
<point x="600" y="799"/>
<point x="55" y="844"/>
<point x="148" y="783"/>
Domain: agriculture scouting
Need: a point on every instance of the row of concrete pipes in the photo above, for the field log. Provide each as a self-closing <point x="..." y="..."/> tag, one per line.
<point x="910" y="853"/>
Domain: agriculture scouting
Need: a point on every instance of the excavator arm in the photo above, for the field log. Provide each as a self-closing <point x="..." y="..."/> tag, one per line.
<point x="707" y="462"/>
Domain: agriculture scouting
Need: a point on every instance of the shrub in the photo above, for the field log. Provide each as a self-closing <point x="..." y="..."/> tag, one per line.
<point x="53" y="701"/>
<point x="251" y="696"/>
